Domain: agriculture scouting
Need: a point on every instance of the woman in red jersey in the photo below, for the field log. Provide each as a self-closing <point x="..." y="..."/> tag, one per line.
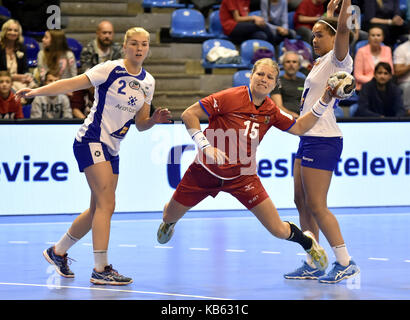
<point x="239" y="117"/>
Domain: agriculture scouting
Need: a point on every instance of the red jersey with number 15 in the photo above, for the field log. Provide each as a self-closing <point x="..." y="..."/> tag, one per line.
<point x="237" y="127"/>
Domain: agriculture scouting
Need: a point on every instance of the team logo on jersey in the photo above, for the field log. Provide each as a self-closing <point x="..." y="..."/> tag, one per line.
<point x="134" y="84"/>
<point x="120" y="133"/>
<point x="216" y="107"/>
<point x="267" y="119"/>
<point x="132" y="101"/>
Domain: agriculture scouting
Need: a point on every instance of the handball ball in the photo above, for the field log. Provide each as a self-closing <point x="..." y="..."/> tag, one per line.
<point x="342" y="84"/>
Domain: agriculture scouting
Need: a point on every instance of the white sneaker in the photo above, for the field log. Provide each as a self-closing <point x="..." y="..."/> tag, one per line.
<point x="318" y="254"/>
<point x="165" y="232"/>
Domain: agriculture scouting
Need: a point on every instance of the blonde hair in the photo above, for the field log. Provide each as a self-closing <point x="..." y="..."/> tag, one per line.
<point x="4" y="28"/>
<point x="267" y="61"/>
<point x="135" y="30"/>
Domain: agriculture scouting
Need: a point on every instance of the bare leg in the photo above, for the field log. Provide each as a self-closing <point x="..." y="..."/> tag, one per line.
<point x="268" y="215"/>
<point x="316" y="184"/>
<point x="173" y="211"/>
<point x="102" y="183"/>
<point x="306" y="219"/>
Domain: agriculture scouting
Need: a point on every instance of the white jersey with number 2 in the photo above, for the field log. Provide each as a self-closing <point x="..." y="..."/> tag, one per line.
<point x="315" y="84"/>
<point x="118" y="97"/>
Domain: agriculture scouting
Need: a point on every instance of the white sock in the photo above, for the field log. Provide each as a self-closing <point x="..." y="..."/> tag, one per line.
<point x="342" y="256"/>
<point x="100" y="260"/>
<point x="65" y="243"/>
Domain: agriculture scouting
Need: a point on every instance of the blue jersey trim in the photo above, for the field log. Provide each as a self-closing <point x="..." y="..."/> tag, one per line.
<point x="94" y="129"/>
<point x="200" y="103"/>
<point x="294" y="121"/>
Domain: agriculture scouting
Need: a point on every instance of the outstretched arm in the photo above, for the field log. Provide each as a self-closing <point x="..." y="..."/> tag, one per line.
<point x="341" y="47"/>
<point x="59" y="87"/>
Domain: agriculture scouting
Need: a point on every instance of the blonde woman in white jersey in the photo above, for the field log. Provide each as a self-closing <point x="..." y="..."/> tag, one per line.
<point x="320" y="149"/>
<point x="123" y="94"/>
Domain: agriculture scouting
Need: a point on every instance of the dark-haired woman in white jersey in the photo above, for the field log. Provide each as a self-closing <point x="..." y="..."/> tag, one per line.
<point x="320" y="149"/>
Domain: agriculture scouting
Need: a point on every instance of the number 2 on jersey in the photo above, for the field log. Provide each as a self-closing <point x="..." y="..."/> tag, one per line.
<point x="123" y="85"/>
<point x="254" y="129"/>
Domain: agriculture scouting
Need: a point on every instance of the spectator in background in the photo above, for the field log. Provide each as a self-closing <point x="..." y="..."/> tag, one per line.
<point x="51" y="107"/>
<point x="369" y="55"/>
<point x="380" y="97"/>
<point x="101" y="49"/>
<point x="13" y="55"/>
<point x="306" y="15"/>
<point x="275" y="13"/>
<point x="401" y="59"/>
<point x="239" y="26"/>
<point x="287" y="96"/>
<point x="386" y="15"/>
<point x="10" y="108"/>
<point x="56" y="56"/>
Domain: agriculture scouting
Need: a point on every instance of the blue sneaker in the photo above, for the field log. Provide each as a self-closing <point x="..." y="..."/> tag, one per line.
<point x="305" y="272"/>
<point x="109" y="276"/>
<point x="60" y="262"/>
<point x="339" y="272"/>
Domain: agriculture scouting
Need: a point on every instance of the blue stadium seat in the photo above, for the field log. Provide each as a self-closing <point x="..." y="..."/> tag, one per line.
<point x="5" y="12"/>
<point x="353" y="108"/>
<point x="241" y="78"/>
<point x="188" y="23"/>
<point x="27" y="111"/>
<point x="215" y="27"/>
<point x="249" y="46"/>
<point x="32" y="48"/>
<point x="162" y="4"/>
<point x="291" y="24"/>
<point x="209" y="44"/>
<point x="339" y="112"/>
<point x="255" y="13"/>
<point x="76" y="48"/>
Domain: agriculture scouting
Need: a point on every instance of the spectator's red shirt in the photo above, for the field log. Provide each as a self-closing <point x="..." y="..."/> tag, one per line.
<point x="309" y="9"/>
<point x="10" y="108"/>
<point x="226" y="13"/>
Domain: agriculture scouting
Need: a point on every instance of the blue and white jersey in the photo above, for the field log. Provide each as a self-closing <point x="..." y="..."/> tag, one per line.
<point x="118" y="97"/>
<point x="314" y="87"/>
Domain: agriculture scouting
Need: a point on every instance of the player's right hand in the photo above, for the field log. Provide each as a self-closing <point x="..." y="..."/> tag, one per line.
<point x="215" y="156"/>
<point x="24" y="93"/>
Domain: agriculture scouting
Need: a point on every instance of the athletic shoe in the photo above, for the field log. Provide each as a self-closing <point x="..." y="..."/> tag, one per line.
<point x="339" y="272"/>
<point x="165" y="232"/>
<point x="109" y="276"/>
<point x="59" y="262"/>
<point x="305" y="272"/>
<point x="318" y="254"/>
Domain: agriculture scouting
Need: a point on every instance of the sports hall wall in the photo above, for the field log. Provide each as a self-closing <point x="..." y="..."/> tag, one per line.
<point x="39" y="175"/>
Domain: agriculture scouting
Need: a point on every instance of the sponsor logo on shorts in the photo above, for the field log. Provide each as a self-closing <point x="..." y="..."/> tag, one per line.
<point x="253" y="199"/>
<point x="97" y="153"/>
<point x="308" y="159"/>
<point x="249" y="187"/>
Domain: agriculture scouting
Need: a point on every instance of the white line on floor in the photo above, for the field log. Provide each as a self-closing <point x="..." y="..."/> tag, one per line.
<point x="49" y="286"/>
<point x="18" y="242"/>
<point x="270" y="252"/>
<point x="235" y="250"/>
<point x="162" y="247"/>
<point x="379" y="259"/>
<point x="199" y="249"/>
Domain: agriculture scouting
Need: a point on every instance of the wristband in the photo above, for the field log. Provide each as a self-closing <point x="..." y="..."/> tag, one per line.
<point x="200" y="140"/>
<point x="319" y="108"/>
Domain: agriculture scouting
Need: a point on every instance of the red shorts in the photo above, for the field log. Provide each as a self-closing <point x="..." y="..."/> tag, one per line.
<point x="198" y="183"/>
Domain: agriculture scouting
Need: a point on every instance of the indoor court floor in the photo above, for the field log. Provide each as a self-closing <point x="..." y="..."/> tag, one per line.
<point x="218" y="255"/>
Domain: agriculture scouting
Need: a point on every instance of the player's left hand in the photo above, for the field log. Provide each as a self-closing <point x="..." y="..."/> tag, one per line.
<point x="162" y="115"/>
